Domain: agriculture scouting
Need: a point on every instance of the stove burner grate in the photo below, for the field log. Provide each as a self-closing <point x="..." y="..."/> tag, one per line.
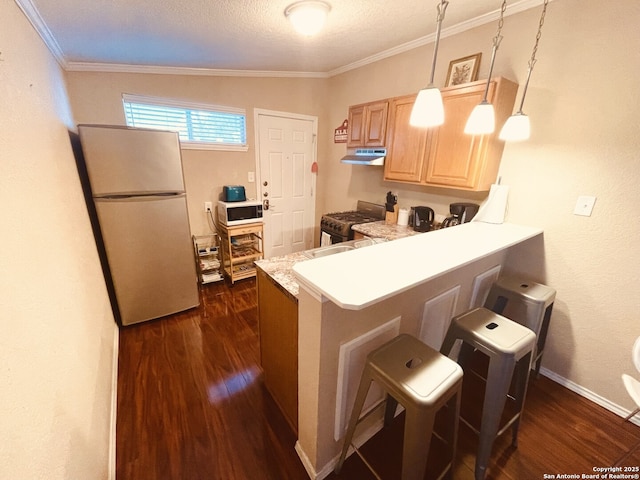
<point x="338" y="224"/>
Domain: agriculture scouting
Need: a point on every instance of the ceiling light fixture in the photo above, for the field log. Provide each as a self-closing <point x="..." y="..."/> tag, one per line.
<point x="428" y="110"/>
<point x="307" y="16"/>
<point x="518" y="126"/>
<point x="482" y="120"/>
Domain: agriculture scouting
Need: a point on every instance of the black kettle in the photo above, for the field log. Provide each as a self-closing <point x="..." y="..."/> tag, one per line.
<point x="423" y="219"/>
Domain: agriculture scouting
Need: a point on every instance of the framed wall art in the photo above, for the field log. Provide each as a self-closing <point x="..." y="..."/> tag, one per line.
<point x="463" y="70"/>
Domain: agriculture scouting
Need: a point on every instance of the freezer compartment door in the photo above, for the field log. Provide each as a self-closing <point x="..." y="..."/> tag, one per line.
<point x="125" y="161"/>
<point x="150" y="254"/>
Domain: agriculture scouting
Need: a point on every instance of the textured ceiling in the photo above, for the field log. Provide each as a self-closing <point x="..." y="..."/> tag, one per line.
<point x="243" y="34"/>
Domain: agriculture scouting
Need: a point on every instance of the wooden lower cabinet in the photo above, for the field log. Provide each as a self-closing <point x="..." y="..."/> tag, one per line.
<point x="446" y="156"/>
<point x="278" y="324"/>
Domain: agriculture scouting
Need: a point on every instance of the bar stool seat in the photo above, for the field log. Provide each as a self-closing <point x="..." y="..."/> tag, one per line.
<point x="422" y="381"/>
<point x="526" y="302"/>
<point x="509" y="347"/>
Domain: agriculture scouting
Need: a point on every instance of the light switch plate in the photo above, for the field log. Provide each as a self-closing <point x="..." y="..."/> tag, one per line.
<point x="584" y="205"/>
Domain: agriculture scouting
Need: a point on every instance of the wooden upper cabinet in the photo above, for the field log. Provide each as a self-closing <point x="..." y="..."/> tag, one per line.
<point x="467" y="161"/>
<point x="406" y="145"/>
<point x="446" y="156"/>
<point x="368" y="124"/>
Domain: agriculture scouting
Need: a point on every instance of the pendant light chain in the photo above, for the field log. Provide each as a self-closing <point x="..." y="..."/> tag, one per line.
<point x="498" y="38"/>
<point x="442" y="7"/>
<point x="533" y="60"/>
<point x="539" y="34"/>
<point x="496" y="43"/>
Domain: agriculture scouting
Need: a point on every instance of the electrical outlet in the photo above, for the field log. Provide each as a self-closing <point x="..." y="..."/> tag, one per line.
<point x="251" y="177"/>
<point x="207" y="206"/>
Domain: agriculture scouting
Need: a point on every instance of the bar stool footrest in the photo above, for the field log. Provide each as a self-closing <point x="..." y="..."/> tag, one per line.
<point x="366" y="463"/>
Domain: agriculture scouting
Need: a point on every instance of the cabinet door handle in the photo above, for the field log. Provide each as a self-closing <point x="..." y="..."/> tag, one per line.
<point x="265" y="204"/>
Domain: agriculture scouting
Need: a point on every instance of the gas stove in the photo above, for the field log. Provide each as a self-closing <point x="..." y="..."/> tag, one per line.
<point x="338" y="224"/>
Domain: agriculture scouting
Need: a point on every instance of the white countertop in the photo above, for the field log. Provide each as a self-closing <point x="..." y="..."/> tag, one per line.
<point x="362" y="277"/>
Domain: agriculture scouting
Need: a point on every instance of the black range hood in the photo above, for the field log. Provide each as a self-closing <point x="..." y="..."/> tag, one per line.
<point x="366" y="156"/>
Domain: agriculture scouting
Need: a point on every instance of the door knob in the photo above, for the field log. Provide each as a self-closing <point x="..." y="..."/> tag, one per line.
<point x="265" y="194"/>
<point x="265" y="183"/>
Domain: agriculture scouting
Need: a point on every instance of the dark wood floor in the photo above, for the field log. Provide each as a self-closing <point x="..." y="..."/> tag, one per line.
<point x="192" y="406"/>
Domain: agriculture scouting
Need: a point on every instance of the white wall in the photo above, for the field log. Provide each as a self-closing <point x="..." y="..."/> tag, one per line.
<point x="583" y="104"/>
<point x="57" y="340"/>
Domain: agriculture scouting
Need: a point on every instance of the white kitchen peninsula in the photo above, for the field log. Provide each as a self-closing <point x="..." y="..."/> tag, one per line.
<point x="352" y="302"/>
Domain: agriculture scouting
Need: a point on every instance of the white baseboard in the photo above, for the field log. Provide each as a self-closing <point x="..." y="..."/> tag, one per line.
<point x="358" y="440"/>
<point x="114" y="405"/>
<point x="305" y="461"/>
<point x="588" y="394"/>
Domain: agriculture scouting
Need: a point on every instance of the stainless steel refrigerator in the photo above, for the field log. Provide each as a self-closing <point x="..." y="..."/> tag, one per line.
<point x="138" y="191"/>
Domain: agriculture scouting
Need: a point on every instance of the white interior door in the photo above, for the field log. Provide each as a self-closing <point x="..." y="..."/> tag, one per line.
<point x="286" y="152"/>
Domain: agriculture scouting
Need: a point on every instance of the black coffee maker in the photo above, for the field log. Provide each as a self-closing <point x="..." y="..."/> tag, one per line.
<point x="460" y="213"/>
<point x="423" y="219"/>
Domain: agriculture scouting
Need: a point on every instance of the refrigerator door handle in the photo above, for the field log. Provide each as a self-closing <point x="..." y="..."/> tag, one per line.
<point x="120" y="196"/>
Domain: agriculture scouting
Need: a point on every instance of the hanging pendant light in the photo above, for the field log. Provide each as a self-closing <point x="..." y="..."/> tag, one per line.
<point x="428" y="110"/>
<point x="518" y="126"/>
<point x="482" y="120"/>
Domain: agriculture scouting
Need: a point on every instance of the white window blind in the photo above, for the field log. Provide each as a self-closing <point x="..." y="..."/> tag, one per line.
<point x="199" y="126"/>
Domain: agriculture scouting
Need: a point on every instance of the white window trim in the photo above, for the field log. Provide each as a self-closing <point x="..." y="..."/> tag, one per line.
<point x="227" y="147"/>
<point x="189" y="145"/>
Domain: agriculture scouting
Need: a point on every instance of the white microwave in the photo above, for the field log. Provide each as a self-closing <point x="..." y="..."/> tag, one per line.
<point x="239" y="213"/>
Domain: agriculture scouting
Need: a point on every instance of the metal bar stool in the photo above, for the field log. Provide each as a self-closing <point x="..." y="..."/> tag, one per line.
<point x="509" y="347"/>
<point x="420" y="379"/>
<point x="528" y="303"/>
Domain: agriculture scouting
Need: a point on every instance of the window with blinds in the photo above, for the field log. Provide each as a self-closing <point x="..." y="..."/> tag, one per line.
<point x="199" y="126"/>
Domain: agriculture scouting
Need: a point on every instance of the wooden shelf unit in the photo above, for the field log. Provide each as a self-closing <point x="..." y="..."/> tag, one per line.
<point x="207" y="251"/>
<point x="241" y="245"/>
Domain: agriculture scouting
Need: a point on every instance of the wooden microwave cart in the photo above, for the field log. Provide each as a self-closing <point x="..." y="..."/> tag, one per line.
<point x="241" y="245"/>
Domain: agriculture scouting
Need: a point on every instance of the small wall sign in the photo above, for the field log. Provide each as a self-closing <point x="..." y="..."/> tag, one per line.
<point x="340" y="133"/>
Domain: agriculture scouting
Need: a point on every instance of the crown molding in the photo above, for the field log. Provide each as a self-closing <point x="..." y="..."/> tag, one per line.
<point x="213" y="72"/>
<point x="512" y="9"/>
<point x="38" y="23"/>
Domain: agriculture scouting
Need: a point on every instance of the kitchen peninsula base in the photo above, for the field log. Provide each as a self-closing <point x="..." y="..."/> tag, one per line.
<point x="278" y="324"/>
<point x="342" y="318"/>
